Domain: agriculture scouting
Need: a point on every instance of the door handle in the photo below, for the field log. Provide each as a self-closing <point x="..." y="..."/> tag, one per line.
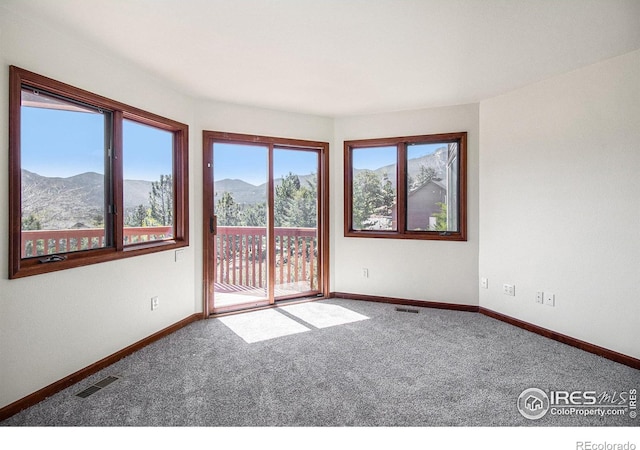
<point x="213" y="225"/>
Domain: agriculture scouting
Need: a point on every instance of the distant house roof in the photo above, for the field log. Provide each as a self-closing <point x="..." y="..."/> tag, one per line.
<point x="438" y="182"/>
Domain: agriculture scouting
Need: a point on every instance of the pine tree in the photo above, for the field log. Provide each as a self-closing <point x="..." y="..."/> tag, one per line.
<point x="228" y="211"/>
<point x="254" y="215"/>
<point x="284" y="200"/>
<point x="137" y="217"/>
<point x="372" y="196"/>
<point x="441" y="217"/>
<point x="31" y="223"/>
<point x="425" y="175"/>
<point x="305" y="205"/>
<point x="161" y="200"/>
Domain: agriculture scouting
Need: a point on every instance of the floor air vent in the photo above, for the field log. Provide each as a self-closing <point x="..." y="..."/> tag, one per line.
<point x="97" y="386"/>
<point x="88" y="391"/>
<point x="411" y="310"/>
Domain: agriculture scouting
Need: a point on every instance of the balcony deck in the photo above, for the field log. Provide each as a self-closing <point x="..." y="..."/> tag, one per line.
<point x="230" y="295"/>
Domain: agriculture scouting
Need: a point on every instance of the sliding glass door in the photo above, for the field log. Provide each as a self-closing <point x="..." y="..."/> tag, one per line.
<point x="240" y="191"/>
<point x="265" y="221"/>
<point x="295" y="221"/>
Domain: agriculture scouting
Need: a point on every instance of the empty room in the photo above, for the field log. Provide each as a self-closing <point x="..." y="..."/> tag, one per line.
<point x="313" y="214"/>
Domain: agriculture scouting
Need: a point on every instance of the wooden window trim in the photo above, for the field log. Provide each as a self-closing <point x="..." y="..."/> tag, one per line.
<point x="22" y="267"/>
<point x="401" y="144"/>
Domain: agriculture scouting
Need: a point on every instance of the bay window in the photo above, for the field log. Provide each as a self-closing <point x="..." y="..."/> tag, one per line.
<point x="90" y="179"/>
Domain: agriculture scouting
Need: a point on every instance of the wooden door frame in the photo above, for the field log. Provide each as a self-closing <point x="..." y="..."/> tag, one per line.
<point x="208" y="139"/>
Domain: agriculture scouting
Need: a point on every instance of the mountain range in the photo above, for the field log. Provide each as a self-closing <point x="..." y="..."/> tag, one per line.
<point x="436" y="160"/>
<point x="248" y="193"/>
<point x="78" y="201"/>
<point x="244" y="192"/>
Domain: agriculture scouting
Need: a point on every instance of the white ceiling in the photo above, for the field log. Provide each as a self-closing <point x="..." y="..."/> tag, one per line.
<point x="347" y="57"/>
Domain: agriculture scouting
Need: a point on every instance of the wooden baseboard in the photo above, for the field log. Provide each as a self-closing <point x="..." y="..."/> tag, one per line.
<point x="81" y="374"/>
<point x="59" y="385"/>
<point x="582" y="345"/>
<point x="404" y="301"/>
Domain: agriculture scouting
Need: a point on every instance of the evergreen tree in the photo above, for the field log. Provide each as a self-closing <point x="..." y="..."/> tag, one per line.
<point x="284" y="200"/>
<point x="387" y="197"/>
<point x="161" y="200"/>
<point x="425" y="175"/>
<point x="228" y="211"/>
<point x="372" y="196"/>
<point x="254" y="215"/>
<point x="441" y="218"/>
<point x="304" y="211"/>
<point x="97" y="221"/>
<point x="31" y="223"/>
<point x="138" y="217"/>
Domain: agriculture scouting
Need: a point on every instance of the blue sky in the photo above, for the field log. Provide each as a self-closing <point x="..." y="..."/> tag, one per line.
<point x="148" y="152"/>
<point x="249" y="162"/>
<point x="57" y="143"/>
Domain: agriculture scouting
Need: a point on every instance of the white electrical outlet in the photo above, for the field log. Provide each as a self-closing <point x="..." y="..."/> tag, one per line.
<point x="155" y="302"/>
<point x="540" y="297"/>
<point x="484" y="283"/>
<point x="509" y="289"/>
<point x="365" y="272"/>
<point x="549" y="299"/>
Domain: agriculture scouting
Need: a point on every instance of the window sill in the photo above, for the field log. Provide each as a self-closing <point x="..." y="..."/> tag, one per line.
<point x="415" y="235"/>
<point x="33" y="266"/>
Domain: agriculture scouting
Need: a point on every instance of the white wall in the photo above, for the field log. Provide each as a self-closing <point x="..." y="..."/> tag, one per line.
<point x="54" y="324"/>
<point x="437" y="271"/>
<point x="559" y="196"/>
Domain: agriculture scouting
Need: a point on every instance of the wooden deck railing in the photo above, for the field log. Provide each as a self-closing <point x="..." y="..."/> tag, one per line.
<point x="241" y="251"/>
<point x="48" y="242"/>
<point x="242" y="256"/>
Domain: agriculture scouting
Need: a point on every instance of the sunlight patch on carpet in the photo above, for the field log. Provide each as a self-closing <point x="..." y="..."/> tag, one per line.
<point x="323" y="315"/>
<point x="262" y="325"/>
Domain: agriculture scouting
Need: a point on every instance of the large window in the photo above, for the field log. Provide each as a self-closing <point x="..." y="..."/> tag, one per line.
<point x="91" y="179"/>
<point x="408" y="187"/>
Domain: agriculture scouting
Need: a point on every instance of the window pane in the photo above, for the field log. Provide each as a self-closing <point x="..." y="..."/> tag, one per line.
<point x="296" y="220"/>
<point x="374" y="188"/>
<point x="241" y="175"/>
<point x="296" y="188"/>
<point x="63" y="191"/>
<point x="431" y="187"/>
<point x="148" y="183"/>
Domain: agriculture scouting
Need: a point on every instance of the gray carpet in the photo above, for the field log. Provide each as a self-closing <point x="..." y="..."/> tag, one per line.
<point x="434" y="368"/>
